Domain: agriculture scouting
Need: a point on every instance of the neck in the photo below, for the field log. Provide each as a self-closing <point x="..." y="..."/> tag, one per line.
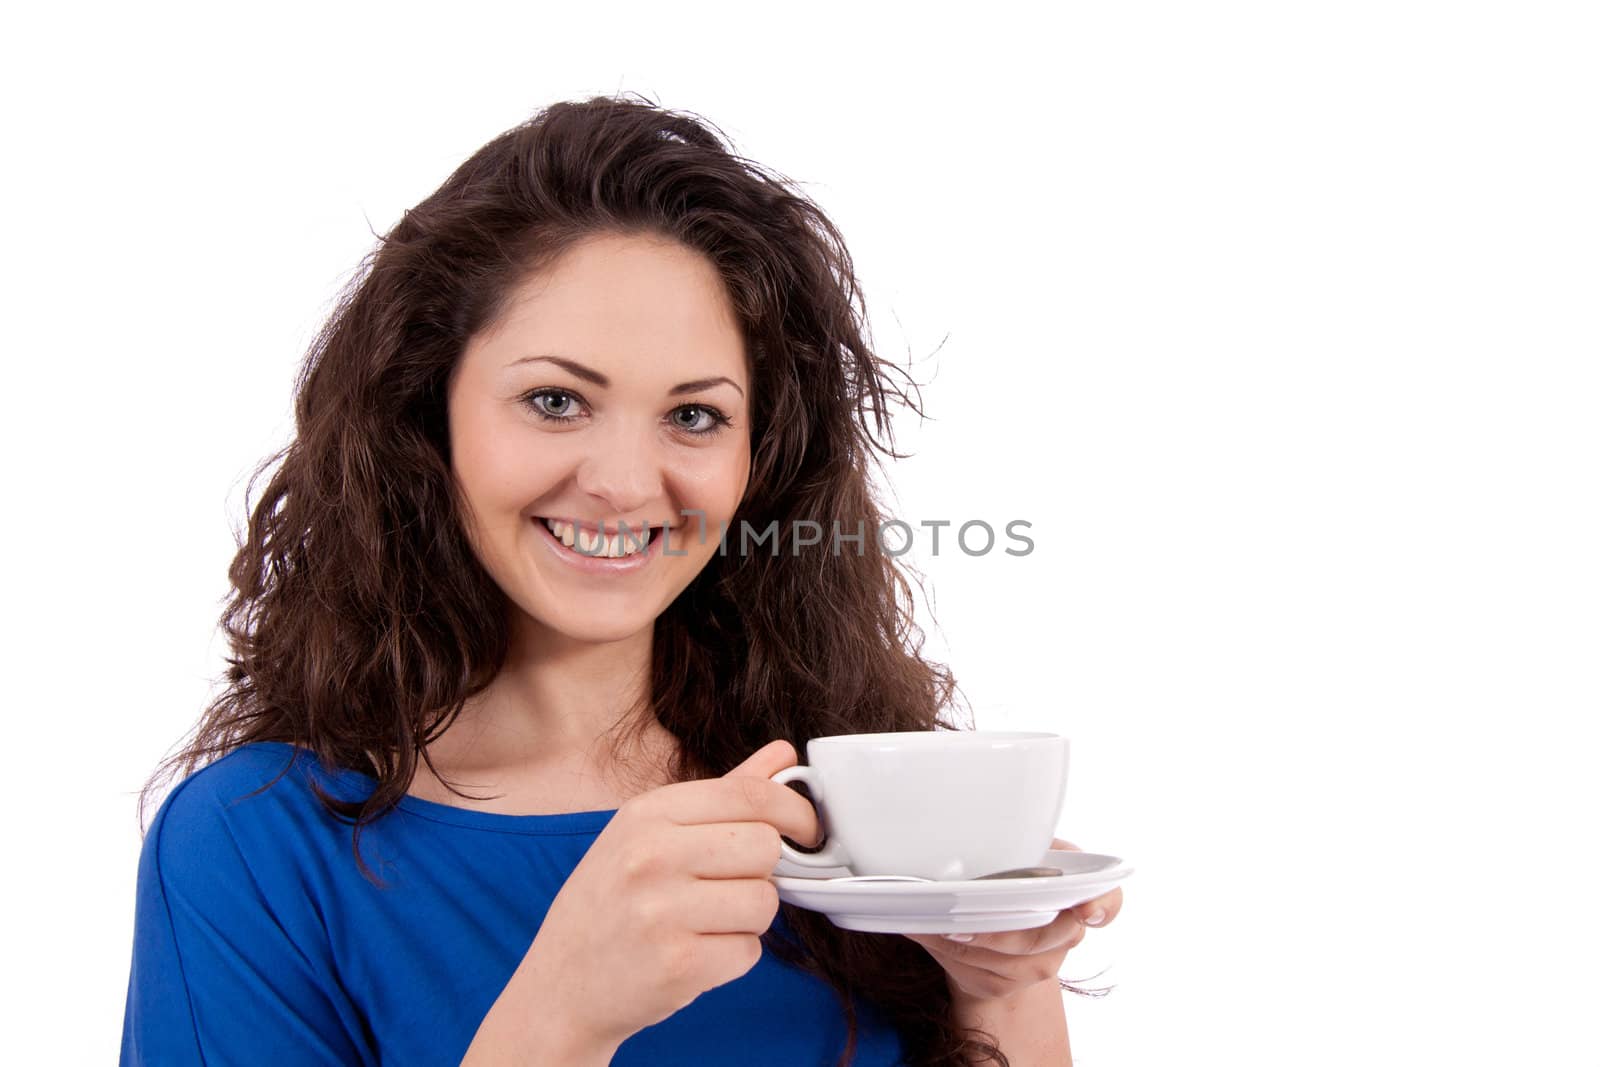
<point x="560" y="695"/>
<point x="560" y="715"/>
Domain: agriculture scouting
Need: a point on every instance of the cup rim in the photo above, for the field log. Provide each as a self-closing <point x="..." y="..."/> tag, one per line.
<point x="920" y="737"/>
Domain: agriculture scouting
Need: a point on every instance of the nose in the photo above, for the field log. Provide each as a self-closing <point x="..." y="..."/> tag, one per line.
<point x="624" y="468"/>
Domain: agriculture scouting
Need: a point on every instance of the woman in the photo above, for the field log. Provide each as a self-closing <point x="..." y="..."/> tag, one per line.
<point x="602" y="322"/>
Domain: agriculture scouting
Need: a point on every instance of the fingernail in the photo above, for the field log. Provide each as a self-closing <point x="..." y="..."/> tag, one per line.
<point x="958" y="937"/>
<point x="1095" y="918"/>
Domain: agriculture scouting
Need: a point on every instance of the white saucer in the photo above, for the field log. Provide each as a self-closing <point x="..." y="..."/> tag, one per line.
<point x="965" y="907"/>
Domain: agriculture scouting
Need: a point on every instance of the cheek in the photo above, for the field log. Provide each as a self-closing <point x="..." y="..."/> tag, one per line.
<point x="478" y="454"/>
<point x="506" y="473"/>
<point x="736" y="476"/>
<point x="713" y="481"/>
<point x="732" y="481"/>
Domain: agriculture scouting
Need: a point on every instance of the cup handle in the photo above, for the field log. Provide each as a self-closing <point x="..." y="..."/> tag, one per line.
<point x="833" y="853"/>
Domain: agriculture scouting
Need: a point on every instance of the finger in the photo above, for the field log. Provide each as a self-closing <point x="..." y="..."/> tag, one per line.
<point x="1101" y="910"/>
<point x="767" y="760"/>
<point x="951" y="955"/>
<point x="1066" y="929"/>
<point x="726" y="849"/>
<point x="995" y="973"/>
<point x="977" y="981"/>
<point x="744" y="794"/>
<point x="726" y="905"/>
<point x="799" y="816"/>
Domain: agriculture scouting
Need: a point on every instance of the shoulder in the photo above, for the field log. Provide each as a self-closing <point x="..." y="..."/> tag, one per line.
<point x="244" y="814"/>
<point x="230" y="919"/>
<point x="220" y="787"/>
<point x="246" y="767"/>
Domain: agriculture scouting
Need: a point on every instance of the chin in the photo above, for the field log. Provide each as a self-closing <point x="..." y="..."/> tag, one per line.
<point x="600" y="629"/>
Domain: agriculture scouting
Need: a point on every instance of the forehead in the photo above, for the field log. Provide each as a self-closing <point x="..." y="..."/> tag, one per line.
<point x="630" y="306"/>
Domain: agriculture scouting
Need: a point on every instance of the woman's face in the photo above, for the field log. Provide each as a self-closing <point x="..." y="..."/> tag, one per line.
<point x="599" y="400"/>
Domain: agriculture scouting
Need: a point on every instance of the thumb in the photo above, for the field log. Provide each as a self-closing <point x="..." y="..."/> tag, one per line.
<point x="766" y="761"/>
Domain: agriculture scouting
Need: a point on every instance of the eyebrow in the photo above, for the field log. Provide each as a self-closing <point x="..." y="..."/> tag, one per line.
<point x="588" y="374"/>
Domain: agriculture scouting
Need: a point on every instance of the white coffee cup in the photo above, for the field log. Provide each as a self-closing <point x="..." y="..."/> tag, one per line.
<point x="940" y="804"/>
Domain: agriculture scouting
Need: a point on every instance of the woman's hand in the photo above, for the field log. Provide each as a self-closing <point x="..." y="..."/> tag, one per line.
<point x="670" y="901"/>
<point x="995" y="966"/>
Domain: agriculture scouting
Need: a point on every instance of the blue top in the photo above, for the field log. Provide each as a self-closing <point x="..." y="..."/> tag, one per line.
<point x="258" y="941"/>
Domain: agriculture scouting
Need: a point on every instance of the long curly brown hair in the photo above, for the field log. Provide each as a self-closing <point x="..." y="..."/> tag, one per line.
<point x="361" y="621"/>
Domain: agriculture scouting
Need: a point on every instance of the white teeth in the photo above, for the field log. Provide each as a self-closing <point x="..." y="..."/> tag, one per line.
<point x="563" y="531"/>
<point x="593" y="543"/>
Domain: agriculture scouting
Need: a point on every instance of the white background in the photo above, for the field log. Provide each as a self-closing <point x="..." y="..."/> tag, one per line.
<point x="1277" y="321"/>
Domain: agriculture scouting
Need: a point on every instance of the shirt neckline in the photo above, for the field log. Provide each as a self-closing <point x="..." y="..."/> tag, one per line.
<point x="567" y="822"/>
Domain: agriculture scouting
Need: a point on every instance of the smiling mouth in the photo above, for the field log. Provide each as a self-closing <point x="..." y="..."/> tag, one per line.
<point x="595" y="542"/>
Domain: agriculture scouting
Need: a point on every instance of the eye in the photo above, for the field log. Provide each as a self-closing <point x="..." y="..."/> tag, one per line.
<point x="556" y="405"/>
<point x="701" y="419"/>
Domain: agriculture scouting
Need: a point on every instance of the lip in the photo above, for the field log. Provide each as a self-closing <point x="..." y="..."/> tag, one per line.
<point x="600" y="564"/>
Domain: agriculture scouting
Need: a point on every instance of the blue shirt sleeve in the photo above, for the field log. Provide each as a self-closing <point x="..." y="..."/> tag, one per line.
<point x="217" y="977"/>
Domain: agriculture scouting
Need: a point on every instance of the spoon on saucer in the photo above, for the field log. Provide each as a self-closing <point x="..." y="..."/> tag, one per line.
<point x="1016" y="872"/>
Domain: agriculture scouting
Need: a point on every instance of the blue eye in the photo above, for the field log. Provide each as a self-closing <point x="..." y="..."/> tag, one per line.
<point x="716" y="419"/>
<point x="560" y="405"/>
<point x="556" y="402"/>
